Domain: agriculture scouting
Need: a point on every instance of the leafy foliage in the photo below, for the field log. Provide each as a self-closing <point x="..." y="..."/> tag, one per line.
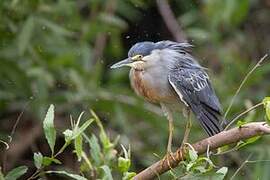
<point x="100" y="162"/>
<point x="38" y="160"/>
<point x="49" y="129"/>
<point x="266" y="103"/>
<point x="16" y="173"/>
<point x="197" y="167"/>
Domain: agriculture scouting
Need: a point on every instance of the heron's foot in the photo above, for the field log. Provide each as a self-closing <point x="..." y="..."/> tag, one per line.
<point x="166" y="159"/>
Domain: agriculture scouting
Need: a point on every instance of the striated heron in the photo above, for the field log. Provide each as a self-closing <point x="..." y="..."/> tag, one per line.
<point x="166" y="73"/>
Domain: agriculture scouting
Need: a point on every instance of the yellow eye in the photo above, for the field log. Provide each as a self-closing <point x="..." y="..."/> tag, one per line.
<point x="137" y="57"/>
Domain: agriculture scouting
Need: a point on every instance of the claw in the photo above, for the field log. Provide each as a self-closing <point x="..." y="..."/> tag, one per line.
<point x="167" y="158"/>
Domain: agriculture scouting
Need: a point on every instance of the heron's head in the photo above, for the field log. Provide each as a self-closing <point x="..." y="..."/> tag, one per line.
<point x="146" y="54"/>
<point x="137" y="55"/>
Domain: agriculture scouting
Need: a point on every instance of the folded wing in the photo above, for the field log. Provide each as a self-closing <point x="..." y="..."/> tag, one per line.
<point x="193" y="87"/>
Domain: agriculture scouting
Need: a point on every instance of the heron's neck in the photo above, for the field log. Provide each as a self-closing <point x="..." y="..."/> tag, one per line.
<point x="138" y="66"/>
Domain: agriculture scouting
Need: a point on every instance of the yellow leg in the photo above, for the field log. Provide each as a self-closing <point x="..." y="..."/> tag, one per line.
<point x="169" y="116"/>
<point x="188" y="127"/>
<point x="169" y="146"/>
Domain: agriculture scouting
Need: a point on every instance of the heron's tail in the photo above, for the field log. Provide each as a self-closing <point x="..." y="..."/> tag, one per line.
<point x="209" y="119"/>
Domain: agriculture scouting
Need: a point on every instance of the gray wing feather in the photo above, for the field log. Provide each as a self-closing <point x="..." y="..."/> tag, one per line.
<point x="196" y="91"/>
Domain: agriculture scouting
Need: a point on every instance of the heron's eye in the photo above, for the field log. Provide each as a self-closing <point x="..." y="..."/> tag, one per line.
<point x="137" y="57"/>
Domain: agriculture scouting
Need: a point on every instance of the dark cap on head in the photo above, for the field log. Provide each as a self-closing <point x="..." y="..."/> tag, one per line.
<point x="141" y="48"/>
<point x="145" y="48"/>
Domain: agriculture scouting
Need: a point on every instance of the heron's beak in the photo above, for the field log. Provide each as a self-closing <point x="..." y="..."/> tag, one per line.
<point x="125" y="62"/>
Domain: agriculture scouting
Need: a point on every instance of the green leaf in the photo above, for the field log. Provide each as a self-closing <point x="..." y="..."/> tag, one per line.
<point x="192" y="154"/>
<point x="129" y="175"/>
<point x="16" y="173"/>
<point x="78" y="121"/>
<point x="267" y="110"/>
<point x="107" y="173"/>
<point x="253" y="139"/>
<point x="95" y="149"/>
<point x="78" y="146"/>
<point x="266" y="100"/>
<point x="190" y="165"/>
<point x="240" y="123"/>
<point x="221" y="173"/>
<point x="248" y="141"/>
<point x="38" y="159"/>
<point x="218" y="175"/>
<point x="73" y="176"/>
<point x="201" y="169"/>
<point x="48" y="160"/>
<point x="77" y="131"/>
<point x="123" y="164"/>
<point x="82" y="128"/>
<point x="68" y="135"/>
<point x="266" y="103"/>
<point x="209" y="164"/>
<point x="105" y="140"/>
<point x="106" y="143"/>
<point x="25" y="35"/>
<point x="48" y="127"/>
<point x="223" y="148"/>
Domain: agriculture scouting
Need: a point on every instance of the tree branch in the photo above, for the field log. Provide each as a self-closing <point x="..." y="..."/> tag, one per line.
<point x="170" y="21"/>
<point x="102" y="37"/>
<point x="224" y="138"/>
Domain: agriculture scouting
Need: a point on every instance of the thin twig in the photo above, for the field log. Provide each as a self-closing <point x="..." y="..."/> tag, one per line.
<point x="12" y="134"/>
<point x="18" y="146"/>
<point x="17" y="122"/>
<point x="102" y="37"/>
<point x="243" y="113"/>
<point x="258" y="161"/>
<point x="170" y="20"/>
<point x="242" y="165"/>
<point x="243" y="82"/>
<point x="34" y="175"/>
<point x="5" y="143"/>
<point x="61" y="150"/>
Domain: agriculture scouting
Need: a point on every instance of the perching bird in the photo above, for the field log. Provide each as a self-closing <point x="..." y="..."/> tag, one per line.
<point x="166" y="73"/>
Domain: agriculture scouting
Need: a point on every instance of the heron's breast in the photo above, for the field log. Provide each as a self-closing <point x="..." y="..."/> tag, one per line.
<point x="153" y="89"/>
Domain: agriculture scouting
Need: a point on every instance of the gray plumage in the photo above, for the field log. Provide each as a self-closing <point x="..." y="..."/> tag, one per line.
<point x="169" y="74"/>
<point x="194" y="86"/>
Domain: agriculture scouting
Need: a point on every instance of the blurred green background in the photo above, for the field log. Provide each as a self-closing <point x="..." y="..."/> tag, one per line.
<point x="60" y="51"/>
